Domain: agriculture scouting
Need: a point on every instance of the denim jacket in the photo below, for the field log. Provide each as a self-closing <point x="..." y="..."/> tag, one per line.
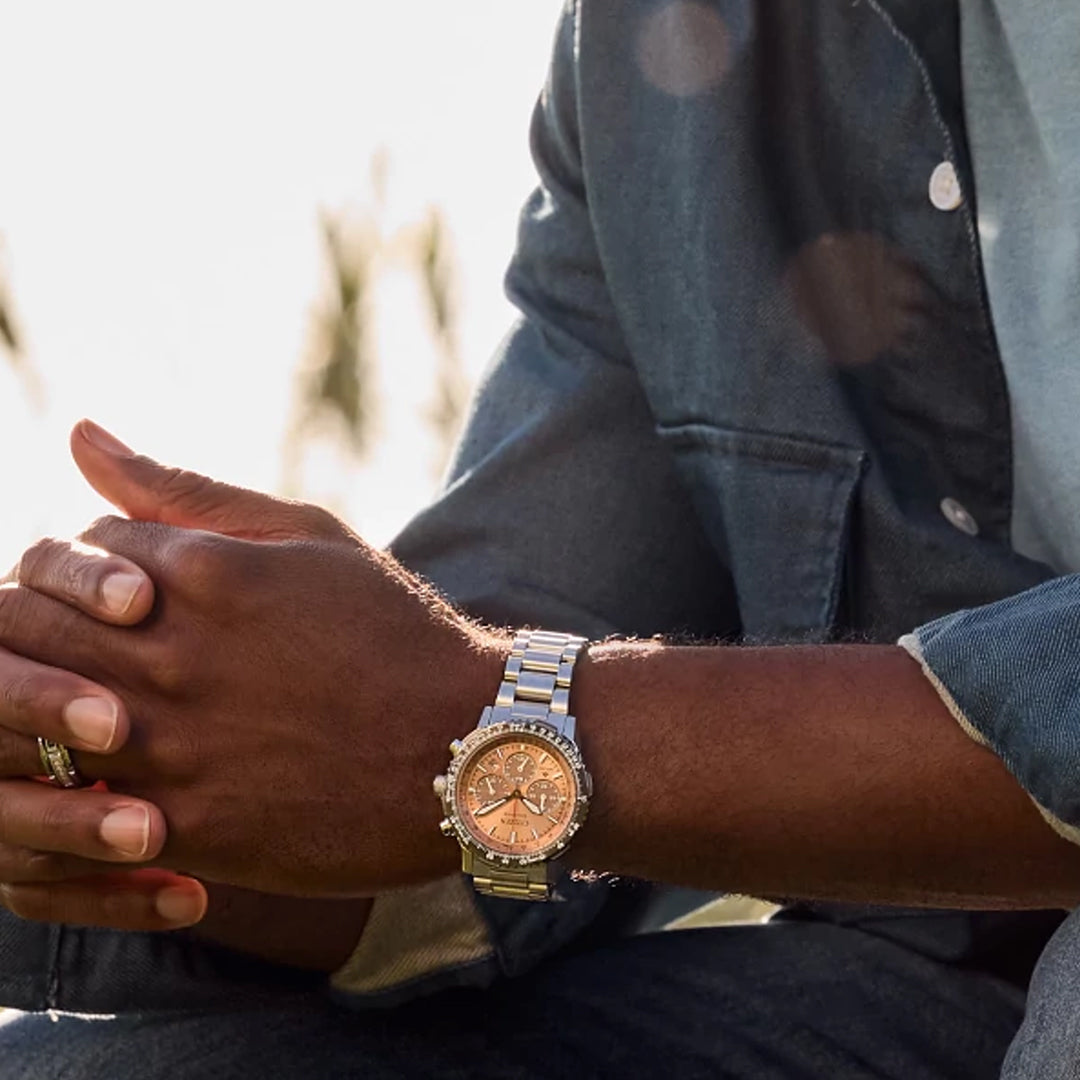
<point x="754" y="393"/>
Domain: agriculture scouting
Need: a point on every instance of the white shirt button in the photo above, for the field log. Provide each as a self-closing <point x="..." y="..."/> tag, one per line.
<point x="957" y="516"/>
<point x="945" y="191"/>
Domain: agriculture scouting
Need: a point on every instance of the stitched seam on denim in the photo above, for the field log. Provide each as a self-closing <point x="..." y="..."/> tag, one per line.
<point x="970" y="228"/>
<point x="52" y="987"/>
<point x="825" y="570"/>
<point x="943" y="128"/>
<point x="840" y="504"/>
<point x="762" y="445"/>
<point x="913" y="647"/>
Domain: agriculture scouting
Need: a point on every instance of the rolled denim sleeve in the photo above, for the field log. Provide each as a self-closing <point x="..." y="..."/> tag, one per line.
<point x="1010" y="674"/>
<point x="563" y="510"/>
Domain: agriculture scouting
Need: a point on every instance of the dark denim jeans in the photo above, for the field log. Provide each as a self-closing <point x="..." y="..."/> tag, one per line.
<point x="799" y="998"/>
<point x="1048" y="1045"/>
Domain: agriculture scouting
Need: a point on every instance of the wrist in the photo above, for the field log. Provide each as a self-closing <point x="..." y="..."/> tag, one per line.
<point x="475" y="674"/>
<point x="604" y="689"/>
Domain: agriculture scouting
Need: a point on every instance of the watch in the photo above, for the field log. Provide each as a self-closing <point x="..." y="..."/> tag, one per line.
<point x="517" y="789"/>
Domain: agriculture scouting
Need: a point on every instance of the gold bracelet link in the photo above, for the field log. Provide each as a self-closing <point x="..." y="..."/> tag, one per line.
<point x="518" y="883"/>
<point x="502" y="885"/>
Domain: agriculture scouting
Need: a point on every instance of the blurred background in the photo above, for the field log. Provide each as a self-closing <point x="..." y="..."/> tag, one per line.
<point x="263" y="241"/>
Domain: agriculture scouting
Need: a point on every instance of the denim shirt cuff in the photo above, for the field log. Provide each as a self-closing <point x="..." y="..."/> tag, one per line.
<point x="1009" y="673"/>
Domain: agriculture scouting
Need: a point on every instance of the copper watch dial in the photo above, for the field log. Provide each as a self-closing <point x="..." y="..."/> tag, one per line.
<point x="516" y="794"/>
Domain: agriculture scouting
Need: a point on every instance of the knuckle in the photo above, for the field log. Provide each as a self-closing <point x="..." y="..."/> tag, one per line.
<point x="9" y="898"/>
<point x="20" y="865"/>
<point x="168" y="663"/>
<point x="200" y="563"/>
<point x="72" y="573"/>
<point x="100" y="530"/>
<point x="14" y="603"/>
<point x="183" y="485"/>
<point x="244" y="591"/>
<point x="19" y="692"/>
<point x="322" y="524"/>
<point x="54" y="819"/>
<point x="193" y="818"/>
<point x="8" y="811"/>
<point x="29" y="902"/>
<point x="40" y="866"/>
<point x="37" y="560"/>
<point x="59" y="568"/>
<point x="62" y="827"/>
<point x="14" y="756"/>
<point x="72" y="580"/>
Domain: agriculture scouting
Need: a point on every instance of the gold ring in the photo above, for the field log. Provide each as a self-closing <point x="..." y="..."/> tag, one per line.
<point x="59" y="768"/>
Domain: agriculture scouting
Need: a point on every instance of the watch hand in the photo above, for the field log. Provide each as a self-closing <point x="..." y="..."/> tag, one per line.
<point x="530" y="805"/>
<point x="490" y="806"/>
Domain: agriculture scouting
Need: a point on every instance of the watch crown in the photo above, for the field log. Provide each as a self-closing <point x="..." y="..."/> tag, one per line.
<point x="439" y="785"/>
<point x="446" y="826"/>
<point x="456" y="747"/>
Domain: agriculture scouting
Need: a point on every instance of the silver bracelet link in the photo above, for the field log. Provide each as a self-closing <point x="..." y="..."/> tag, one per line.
<point x="536" y="680"/>
<point x="535" y="688"/>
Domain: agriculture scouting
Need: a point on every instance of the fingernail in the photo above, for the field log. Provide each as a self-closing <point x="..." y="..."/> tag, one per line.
<point x="92" y="720"/>
<point x="104" y="441"/>
<point x="127" y="830"/>
<point x="180" y="906"/>
<point x="118" y="591"/>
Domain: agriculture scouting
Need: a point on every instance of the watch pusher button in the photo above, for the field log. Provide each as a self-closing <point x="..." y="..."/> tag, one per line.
<point x="438" y="785"/>
<point x="446" y="826"/>
<point x="456" y="747"/>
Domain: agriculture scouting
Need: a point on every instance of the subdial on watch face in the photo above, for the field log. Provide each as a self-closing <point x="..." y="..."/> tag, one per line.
<point x="519" y="768"/>
<point x="544" y="798"/>
<point x="489" y="790"/>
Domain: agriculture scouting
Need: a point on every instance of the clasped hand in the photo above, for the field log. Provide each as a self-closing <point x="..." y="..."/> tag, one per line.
<point x="273" y="697"/>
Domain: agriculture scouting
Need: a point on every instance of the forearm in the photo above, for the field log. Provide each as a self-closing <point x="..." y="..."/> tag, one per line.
<point x="819" y="771"/>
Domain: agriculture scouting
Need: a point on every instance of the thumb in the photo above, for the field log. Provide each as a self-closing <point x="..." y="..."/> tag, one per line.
<point x="145" y="490"/>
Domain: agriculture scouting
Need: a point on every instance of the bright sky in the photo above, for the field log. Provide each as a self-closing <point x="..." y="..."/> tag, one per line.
<point x="163" y="170"/>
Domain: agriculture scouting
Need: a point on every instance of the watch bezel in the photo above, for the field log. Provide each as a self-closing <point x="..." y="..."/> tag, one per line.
<point x="473" y="744"/>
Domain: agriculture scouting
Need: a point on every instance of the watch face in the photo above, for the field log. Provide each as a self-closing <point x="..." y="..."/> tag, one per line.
<point x="517" y="794"/>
